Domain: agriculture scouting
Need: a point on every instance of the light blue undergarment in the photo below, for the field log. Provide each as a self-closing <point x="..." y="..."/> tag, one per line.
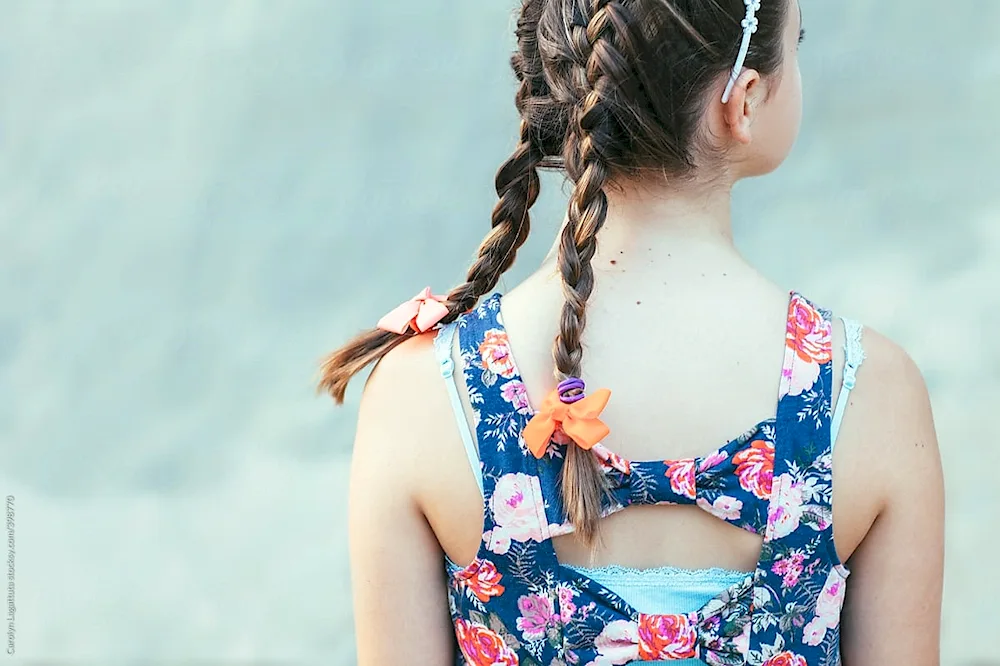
<point x="662" y="590"/>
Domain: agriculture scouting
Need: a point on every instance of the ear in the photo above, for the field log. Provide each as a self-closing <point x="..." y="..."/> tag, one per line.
<point x="744" y="100"/>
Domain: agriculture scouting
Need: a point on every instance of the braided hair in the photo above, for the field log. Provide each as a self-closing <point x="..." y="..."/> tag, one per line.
<point x="608" y="90"/>
<point x="517" y="186"/>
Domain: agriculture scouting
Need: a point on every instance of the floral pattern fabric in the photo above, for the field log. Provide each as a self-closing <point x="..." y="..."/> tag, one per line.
<point x="516" y="605"/>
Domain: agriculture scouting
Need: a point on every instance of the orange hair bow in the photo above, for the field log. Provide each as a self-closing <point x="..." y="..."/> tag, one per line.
<point x="421" y="313"/>
<point x="578" y="420"/>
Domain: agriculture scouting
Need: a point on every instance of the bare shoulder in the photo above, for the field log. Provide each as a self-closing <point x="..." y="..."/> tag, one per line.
<point x="887" y="449"/>
<point x="893" y="404"/>
<point x="401" y="412"/>
<point x="404" y="370"/>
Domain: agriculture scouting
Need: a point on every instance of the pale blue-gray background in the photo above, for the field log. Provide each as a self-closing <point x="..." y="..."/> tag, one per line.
<point x="198" y="198"/>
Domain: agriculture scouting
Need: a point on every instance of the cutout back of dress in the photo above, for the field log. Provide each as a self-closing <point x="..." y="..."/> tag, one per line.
<point x="517" y="604"/>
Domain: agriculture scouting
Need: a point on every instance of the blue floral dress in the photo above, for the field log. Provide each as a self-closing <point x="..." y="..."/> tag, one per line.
<point x="516" y="604"/>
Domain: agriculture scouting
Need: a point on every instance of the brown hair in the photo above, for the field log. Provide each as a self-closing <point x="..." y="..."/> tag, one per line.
<point x="609" y="89"/>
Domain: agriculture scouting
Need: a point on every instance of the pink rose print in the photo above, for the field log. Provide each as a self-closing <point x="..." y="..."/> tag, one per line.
<point x="617" y="644"/>
<point x="611" y="460"/>
<point x="566" y="605"/>
<point x="789" y="568"/>
<point x="666" y="637"/>
<point x="828" y="607"/>
<point x="716" y="458"/>
<point x="482" y="580"/>
<point x="516" y="394"/>
<point x="682" y="477"/>
<point x="725" y="507"/>
<point x="798" y="379"/>
<point x="495" y="354"/>
<point x="482" y="647"/>
<point x="814" y="633"/>
<point x="786" y="507"/>
<point x="755" y="468"/>
<point x="807" y="337"/>
<point x="537" y="615"/>
<point x="807" y="333"/>
<point x="518" y="512"/>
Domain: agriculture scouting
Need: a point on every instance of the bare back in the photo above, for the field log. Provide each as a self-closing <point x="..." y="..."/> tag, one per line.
<point x="691" y="366"/>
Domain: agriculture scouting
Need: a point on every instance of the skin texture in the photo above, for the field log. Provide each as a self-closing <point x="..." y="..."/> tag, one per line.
<point x="675" y="300"/>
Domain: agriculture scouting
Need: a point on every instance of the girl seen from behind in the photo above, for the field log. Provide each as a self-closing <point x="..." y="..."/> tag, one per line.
<point x="646" y="451"/>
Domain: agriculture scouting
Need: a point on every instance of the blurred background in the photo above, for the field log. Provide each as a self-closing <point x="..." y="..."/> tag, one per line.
<point x="199" y="198"/>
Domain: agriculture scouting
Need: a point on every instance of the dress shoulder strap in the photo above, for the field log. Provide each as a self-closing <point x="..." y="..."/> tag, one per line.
<point x="798" y="564"/>
<point x="802" y="448"/>
<point x="512" y="489"/>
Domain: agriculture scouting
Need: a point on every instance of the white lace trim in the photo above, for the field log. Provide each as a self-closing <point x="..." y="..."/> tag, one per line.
<point x="852" y="343"/>
<point x="665" y="574"/>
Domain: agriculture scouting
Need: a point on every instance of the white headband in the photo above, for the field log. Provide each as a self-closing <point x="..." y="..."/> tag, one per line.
<point x="749" y="24"/>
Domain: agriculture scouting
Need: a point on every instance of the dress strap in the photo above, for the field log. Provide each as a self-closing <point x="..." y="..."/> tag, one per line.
<point x="443" y="343"/>
<point x="802" y="423"/>
<point x="515" y="509"/>
<point x="855" y="357"/>
<point x="799" y="532"/>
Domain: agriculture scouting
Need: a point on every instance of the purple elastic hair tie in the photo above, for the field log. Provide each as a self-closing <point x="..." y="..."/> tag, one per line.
<point x="571" y="389"/>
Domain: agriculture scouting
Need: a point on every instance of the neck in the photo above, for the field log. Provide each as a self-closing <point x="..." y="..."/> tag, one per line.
<point x="647" y="225"/>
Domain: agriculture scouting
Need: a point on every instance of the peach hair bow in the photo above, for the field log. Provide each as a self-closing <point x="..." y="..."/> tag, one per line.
<point x="421" y="313"/>
<point x="578" y="420"/>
